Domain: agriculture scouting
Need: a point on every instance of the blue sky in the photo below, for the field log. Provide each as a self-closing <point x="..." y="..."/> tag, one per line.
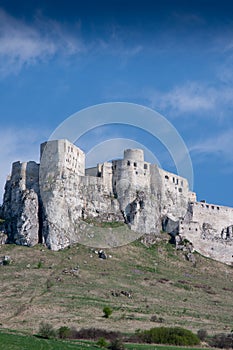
<point x="176" y="57"/>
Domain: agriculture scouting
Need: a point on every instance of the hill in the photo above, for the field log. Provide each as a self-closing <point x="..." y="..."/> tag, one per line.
<point x="71" y="287"/>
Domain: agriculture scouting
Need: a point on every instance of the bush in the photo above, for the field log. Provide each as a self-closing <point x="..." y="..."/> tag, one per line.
<point x="46" y="330"/>
<point x="102" y="343"/>
<point x="116" y="344"/>
<point x="64" y="332"/>
<point x="39" y="265"/>
<point x="173" y="336"/>
<point x="94" y="334"/>
<point x="202" y="334"/>
<point x="107" y="311"/>
<point x="155" y="318"/>
<point x="222" y="341"/>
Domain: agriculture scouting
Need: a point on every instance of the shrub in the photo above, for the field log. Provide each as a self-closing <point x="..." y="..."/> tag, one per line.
<point x="94" y="334"/>
<point x="102" y="343"/>
<point x="173" y="336"/>
<point x="64" y="332"/>
<point x="155" y="318"/>
<point x="46" y="330"/>
<point x="39" y="265"/>
<point x="222" y="341"/>
<point x="202" y="334"/>
<point x="116" y="344"/>
<point x="107" y="311"/>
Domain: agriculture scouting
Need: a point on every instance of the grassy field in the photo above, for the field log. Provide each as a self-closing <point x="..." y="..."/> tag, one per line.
<point x="72" y="286"/>
<point x="14" y="341"/>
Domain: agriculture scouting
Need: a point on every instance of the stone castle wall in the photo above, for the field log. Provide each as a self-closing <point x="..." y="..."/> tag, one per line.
<point x="210" y="228"/>
<point x="46" y="202"/>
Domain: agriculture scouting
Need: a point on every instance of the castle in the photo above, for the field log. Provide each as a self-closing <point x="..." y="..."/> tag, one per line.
<point x="50" y="202"/>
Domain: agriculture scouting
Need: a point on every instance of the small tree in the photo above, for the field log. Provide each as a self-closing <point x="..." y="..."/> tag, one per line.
<point x="64" y="332"/>
<point x="107" y="311"/>
<point x="46" y="330"/>
<point x="102" y="343"/>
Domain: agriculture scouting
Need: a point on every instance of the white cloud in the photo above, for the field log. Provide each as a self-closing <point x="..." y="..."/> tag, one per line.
<point x="218" y="145"/>
<point x="23" y="44"/>
<point x="194" y="97"/>
<point x="190" y="97"/>
<point x="22" y="145"/>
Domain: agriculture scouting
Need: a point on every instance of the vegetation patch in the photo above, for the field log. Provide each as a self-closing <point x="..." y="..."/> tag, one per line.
<point x="169" y="335"/>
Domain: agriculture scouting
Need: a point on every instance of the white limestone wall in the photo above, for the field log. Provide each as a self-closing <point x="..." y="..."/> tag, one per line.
<point x="219" y="217"/>
<point x="174" y="195"/>
<point x="209" y="228"/>
<point x="58" y="156"/>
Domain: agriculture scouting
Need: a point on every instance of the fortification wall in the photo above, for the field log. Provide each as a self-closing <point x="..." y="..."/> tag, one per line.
<point x="174" y="195"/>
<point x="210" y="228"/>
<point x="60" y="156"/>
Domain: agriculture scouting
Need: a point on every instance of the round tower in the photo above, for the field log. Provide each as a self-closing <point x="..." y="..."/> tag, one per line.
<point x="134" y="154"/>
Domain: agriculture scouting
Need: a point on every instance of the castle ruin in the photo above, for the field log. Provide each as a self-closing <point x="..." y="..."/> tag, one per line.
<point x="47" y="202"/>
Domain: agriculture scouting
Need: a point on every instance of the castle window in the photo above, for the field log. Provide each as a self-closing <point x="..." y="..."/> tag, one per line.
<point x="212" y="207"/>
<point x="128" y="163"/>
<point x="166" y="177"/>
<point x="177" y="181"/>
<point x="217" y="208"/>
<point x="135" y="164"/>
<point x="71" y="149"/>
<point x="145" y="166"/>
<point x="180" y="189"/>
<point x="173" y="180"/>
<point x="136" y="172"/>
<point x="196" y="229"/>
<point x="207" y="206"/>
<point x="182" y="183"/>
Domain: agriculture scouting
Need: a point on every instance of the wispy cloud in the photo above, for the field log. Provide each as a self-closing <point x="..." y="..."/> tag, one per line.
<point x="26" y="44"/>
<point x="193" y="97"/>
<point x="218" y="145"/>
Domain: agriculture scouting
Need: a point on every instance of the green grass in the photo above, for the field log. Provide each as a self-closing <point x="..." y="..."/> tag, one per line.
<point x="10" y="341"/>
<point x="15" y="341"/>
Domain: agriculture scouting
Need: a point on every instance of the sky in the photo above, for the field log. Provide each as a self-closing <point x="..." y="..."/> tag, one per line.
<point x="174" y="57"/>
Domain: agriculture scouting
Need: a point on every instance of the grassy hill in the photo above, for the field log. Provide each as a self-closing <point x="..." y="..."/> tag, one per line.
<point x="72" y="286"/>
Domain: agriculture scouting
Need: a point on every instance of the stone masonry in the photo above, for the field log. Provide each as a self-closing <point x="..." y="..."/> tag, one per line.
<point x="47" y="202"/>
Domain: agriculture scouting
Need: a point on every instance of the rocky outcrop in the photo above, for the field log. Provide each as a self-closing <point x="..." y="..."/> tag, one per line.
<point x="20" y="209"/>
<point x="72" y="200"/>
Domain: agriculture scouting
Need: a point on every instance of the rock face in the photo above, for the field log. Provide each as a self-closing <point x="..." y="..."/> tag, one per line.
<point x="50" y="202"/>
<point x="20" y="208"/>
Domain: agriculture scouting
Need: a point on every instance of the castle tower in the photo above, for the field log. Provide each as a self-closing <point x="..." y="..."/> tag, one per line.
<point x="59" y="157"/>
<point x="132" y="171"/>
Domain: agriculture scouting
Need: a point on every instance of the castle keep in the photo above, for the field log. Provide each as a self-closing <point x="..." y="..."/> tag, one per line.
<point x="49" y="202"/>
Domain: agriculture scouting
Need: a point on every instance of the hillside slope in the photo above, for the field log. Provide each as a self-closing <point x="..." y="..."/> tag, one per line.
<point x="71" y="287"/>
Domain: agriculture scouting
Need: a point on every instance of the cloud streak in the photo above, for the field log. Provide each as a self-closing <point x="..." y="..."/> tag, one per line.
<point x="193" y="97"/>
<point x="22" y="44"/>
<point x="218" y="145"/>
